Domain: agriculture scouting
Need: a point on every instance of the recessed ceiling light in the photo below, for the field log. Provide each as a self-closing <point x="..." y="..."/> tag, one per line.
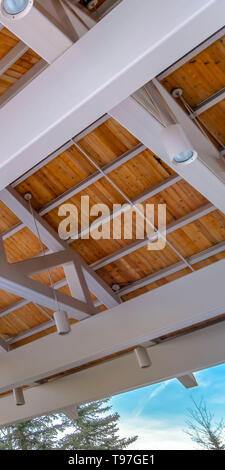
<point x="15" y="9"/>
<point x="177" y="145"/>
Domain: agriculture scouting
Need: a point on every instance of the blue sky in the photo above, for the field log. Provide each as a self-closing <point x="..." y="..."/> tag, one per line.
<point x="157" y="413"/>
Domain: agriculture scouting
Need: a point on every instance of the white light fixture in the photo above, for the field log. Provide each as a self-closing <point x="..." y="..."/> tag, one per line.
<point x="142" y="357"/>
<point x="177" y="145"/>
<point x="15" y="9"/>
<point x="18" y="396"/>
<point x="62" y="322"/>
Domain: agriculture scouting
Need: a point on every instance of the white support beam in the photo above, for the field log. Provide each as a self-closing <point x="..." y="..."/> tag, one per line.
<point x="50" y="238"/>
<point x="11" y="280"/>
<point x="205" y="174"/>
<point x="12" y="56"/>
<point x="50" y="44"/>
<point x="172" y="359"/>
<point x="188" y="380"/>
<point x="136" y="245"/>
<point x="160" y="312"/>
<point x="218" y="248"/>
<point x="187" y="57"/>
<point x="118" y="68"/>
<point x="78" y="284"/>
<point x="208" y="103"/>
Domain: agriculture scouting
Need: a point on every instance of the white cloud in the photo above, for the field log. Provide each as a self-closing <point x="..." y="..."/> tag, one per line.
<point x="140" y="407"/>
<point x="154" y="434"/>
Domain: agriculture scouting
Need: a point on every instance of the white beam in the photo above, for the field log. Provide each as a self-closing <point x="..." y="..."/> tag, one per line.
<point x="11" y="280"/>
<point x="50" y="238"/>
<point x="188" y="380"/>
<point x="118" y="68"/>
<point x="205" y="174"/>
<point x="50" y="44"/>
<point x="193" y="352"/>
<point x="218" y="248"/>
<point x="209" y="156"/>
<point x="137" y="321"/>
<point x="197" y="50"/>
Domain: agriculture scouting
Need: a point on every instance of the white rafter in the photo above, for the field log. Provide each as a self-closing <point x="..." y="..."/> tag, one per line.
<point x="160" y="312"/>
<point x="203" y="255"/>
<point x="119" y="67"/>
<point x="205" y="173"/>
<point x="49" y="237"/>
<point x="170" y="360"/>
<point x="197" y="50"/>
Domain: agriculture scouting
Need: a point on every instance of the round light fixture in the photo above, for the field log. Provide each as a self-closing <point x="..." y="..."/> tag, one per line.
<point x="15" y="9"/>
<point x="177" y="145"/>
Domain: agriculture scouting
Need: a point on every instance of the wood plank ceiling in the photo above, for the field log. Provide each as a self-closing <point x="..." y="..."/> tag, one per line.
<point x="199" y="79"/>
<point x="15" y="75"/>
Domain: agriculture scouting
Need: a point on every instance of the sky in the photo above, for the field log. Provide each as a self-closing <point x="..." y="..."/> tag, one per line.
<point x="157" y="413"/>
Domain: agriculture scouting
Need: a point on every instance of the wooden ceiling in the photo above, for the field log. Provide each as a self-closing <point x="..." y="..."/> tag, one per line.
<point x="20" y="67"/>
<point x="144" y="171"/>
<point x="199" y="79"/>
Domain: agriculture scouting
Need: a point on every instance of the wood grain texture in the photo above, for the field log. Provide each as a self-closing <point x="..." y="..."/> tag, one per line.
<point x="105" y="144"/>
<point x="20" y="67"/>
<point x="199" y="79"/>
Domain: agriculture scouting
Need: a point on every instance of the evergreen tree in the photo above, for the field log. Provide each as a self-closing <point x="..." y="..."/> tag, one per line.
<point x="95" y="428"/>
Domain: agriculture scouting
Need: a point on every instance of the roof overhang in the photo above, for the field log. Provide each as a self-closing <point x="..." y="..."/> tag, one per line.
<point x="58" y="109"/>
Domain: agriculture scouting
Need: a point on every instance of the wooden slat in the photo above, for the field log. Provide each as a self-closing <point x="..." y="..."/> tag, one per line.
<point x="202" y="75"/>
